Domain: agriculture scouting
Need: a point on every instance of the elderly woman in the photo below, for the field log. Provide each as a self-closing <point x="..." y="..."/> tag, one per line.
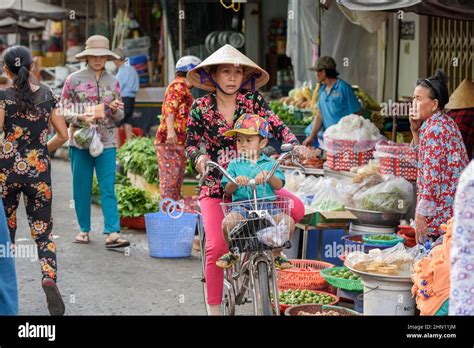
<point x="92" y="95"/>
<point x="441" y="155"/>
<point x="228" y="75"/>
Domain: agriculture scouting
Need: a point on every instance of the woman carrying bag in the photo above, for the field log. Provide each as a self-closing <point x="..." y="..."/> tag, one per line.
<point x="91" y="97"/>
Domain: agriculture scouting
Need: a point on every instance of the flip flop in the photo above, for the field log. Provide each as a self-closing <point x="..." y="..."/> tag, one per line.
<point x="82" y="239"/>
<point x="118" y="243"/>
<point x="55" y="302"/>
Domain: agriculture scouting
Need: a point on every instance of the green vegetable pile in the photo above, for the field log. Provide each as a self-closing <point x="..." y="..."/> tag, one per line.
<point x="344" y="273"/>
<point x="286" y="116"/>
<point x="327" y="205"/>
<point x="297" y="297"/>
<point x="134" y="202"/>
<point x="139" y="157"/>
<point x="382" y="237"/>
<point x="387" y="202"/>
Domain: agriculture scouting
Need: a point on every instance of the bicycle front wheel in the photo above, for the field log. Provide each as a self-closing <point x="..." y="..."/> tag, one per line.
<point x="263" y="297"/>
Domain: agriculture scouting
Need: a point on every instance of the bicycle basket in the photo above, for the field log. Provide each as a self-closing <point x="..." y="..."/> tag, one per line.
<point x="257" y="225"/>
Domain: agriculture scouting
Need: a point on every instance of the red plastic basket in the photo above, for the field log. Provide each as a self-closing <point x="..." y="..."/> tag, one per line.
<point x="284" y="307"/>
<point x="304" y="275"/>
<point x="397" y="159"/>
<point x="135" y="223"/>
<point x="346" y="154"/>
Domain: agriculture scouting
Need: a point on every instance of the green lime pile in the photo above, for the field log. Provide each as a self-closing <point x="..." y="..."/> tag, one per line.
<point x="298" y="297"/>
<point x="343" y="273"/>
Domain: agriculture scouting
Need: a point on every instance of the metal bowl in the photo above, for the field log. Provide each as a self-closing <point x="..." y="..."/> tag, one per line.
<point x="376" y="218"/>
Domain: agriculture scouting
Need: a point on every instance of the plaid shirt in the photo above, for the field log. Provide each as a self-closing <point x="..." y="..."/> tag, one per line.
<point x="464" y="118"/>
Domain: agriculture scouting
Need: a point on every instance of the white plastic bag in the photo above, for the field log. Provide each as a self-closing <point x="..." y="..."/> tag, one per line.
<point x="96" y="146"/>
<point x="327" y="198"/>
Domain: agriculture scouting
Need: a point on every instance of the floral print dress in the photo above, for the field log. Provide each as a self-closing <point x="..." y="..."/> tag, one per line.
<point x="441" y="159"/>
<point x="25" y="168"/>
<point x="207" y="125"/>
<point x="461" y="301"/>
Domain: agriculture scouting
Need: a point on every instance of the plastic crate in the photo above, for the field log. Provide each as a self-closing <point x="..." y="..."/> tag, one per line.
<point x="397" y="159"/>
<point x="342" y="155"/>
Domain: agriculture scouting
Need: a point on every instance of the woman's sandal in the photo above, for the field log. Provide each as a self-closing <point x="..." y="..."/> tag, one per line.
<point x="82" y="238"/>
<point x="282" y="262"/>
<point x="227" y="260"/>
<point x="117" y="243"/>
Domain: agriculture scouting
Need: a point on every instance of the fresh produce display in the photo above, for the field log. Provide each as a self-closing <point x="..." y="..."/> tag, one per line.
<point x="139" y="157"/>
<point x="343" y="273"/>
<point x="308" y="157"/>
<point x="299" y="98"/>
<point x="297" y="297"/>
<point x="382" y="237"/>
<point x="287" y="115"/>
<point x="134" y="202"/>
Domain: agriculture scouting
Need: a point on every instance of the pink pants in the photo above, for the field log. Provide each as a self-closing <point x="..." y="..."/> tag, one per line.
<point x="216" y="246"/>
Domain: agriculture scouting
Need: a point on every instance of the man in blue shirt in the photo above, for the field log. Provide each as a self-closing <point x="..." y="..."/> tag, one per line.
<point x="8" y="285"/>
<point x="336" y="98"/>
<point x="129" y="82"/>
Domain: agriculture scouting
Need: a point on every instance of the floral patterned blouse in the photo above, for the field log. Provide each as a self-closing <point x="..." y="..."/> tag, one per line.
<point x="178" y="102"/>
<point x="81" y="90"/>
<point x="461" y="301"/>
<point x="207" y="125"/>
<point x="441" y="159"/>
<point x="24" y="157"/>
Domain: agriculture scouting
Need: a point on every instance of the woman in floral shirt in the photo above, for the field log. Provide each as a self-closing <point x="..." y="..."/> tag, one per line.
<point x="171" y="134"/>
<point x="83" y="93"/>
<point x="25" y="112"/>
<point x="226" y="74"/>
<point x="441" y="155"/>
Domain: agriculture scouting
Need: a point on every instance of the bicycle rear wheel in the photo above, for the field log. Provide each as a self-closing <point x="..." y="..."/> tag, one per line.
<point x="263" y="297"/>
<point x="202" y="240"/>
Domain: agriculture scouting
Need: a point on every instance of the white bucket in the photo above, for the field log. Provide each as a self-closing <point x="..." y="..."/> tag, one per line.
<point x="385" y="296"/>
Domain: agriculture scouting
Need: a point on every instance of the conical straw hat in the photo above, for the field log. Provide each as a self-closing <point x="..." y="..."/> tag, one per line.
<point x="227" y="55"/>
<point x="462" y="97"/>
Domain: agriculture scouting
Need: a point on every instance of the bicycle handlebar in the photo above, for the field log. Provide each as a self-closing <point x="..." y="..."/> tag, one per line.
<point x="287" y="151"/>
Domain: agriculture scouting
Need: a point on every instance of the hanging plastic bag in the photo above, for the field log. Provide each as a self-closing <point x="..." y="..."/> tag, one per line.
<point x="83" y="137"/>
<point x="96" y="146"/>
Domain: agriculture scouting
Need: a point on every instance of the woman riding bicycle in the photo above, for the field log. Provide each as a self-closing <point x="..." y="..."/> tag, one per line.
<point x="228" y="75"/>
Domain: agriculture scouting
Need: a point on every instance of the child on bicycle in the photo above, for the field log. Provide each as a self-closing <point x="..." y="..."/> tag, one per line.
<point x="251" y="132"/>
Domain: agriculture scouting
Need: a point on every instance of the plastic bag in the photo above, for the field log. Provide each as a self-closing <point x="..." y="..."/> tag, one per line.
<point x="401" y="152"/>
<point x="276" y="235"/>
<point x="83" y="137"/>
<point x="395" y="195"/>
<point x="96" y="146"/>
<point x="293" y="180"/>
<point x="328" y="198"/>
<point x="397" y="260"/>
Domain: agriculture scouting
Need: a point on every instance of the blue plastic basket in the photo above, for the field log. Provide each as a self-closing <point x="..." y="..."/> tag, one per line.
<point x="170" y="237"/>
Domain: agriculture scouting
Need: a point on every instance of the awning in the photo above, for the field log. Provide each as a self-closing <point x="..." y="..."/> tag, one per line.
<point x="11" y="25"/>
<point x="452" y="9"/>
<point x="31" y="9"/>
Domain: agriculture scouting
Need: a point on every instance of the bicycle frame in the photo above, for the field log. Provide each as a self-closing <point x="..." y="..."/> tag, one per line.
<point x="243" y="277"/>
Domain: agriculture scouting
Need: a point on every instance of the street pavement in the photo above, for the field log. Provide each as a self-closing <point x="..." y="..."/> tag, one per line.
<point x="96" y="281"/>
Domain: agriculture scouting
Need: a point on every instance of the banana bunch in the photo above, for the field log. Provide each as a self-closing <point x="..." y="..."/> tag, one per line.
<point x="299" y="98"/>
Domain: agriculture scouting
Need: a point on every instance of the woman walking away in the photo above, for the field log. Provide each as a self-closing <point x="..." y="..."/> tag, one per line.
<point x="92" y="96"/>
<point x="25" y="112"/>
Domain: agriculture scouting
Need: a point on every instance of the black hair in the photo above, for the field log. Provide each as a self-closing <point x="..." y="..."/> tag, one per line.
<point x="180" y="74"/>
<point x="438" y="87"/>
<point x="331" y="73"/>
<point x="18" y="60"/>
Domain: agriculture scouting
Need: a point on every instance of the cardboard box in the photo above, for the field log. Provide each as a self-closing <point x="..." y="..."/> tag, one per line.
<point x="314" y="218"/>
